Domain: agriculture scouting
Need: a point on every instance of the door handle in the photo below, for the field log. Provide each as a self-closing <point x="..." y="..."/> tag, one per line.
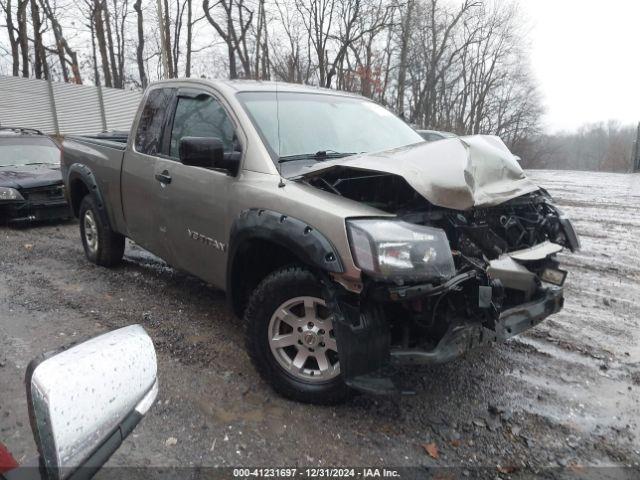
<point x="164" y="177"/>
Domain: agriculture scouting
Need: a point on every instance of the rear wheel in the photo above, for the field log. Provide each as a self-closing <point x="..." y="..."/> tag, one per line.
<point x="102" y="245"/>
<point x="289" y="336"/>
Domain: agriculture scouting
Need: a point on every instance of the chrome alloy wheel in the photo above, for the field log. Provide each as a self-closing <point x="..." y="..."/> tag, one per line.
<point x="302" y="341"/>
<point x="90" y="231"/>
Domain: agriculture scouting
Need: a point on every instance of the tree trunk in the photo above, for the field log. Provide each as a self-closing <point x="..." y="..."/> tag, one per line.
<point x="40" y="57"/>
<point x="60" y="49"/>
<point x="62" y="46"/>
<point x="259" y="39"/>
<point x="23" y="36"/>
<point x="120" y="10"/>
<point x="167" y="39"/>
<point x="265" y="54"/>
<point x="96" y="70"/>
<point x="102" y="42"/>
<point x="405" y="36"/>
<point x="233" y="71"/>
<point x="140" y="47"/>
<point x="13" y="41"/>
<point x="112" y="53"/>
<point x="187" y="68"/>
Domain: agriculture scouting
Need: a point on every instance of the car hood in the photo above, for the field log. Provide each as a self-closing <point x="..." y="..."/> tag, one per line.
<point x="29" y="176"/>
<point x="458" y="173"/>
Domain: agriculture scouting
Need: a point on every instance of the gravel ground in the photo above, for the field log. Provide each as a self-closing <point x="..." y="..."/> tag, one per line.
<point x="563" y="397"/>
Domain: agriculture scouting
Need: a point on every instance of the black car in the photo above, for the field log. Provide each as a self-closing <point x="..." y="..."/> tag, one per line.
<point x="31" y="187"/>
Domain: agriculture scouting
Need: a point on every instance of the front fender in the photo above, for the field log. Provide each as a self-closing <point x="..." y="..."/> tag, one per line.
<point x="304" y="242"/>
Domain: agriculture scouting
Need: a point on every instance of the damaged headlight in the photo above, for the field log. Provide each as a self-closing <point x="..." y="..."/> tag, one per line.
<point x="573" y="241"/>
<point x="398" y="251"/>
<point x="9" y="194"/>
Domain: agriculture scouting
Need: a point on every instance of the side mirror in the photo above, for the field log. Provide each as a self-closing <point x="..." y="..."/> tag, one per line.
<point x="85" y="400"/>
<point x="208" y="152"/>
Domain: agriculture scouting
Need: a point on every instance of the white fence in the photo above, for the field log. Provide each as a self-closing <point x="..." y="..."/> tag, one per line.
<point x="65" y="108"/>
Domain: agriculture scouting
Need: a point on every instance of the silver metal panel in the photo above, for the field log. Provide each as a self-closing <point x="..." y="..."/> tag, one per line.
<point x="25" y="102"/>
<point x="78" y="108"/>
<point x="120" y="107"/>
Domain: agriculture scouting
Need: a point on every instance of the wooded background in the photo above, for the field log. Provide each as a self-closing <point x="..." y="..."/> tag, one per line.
<point x="454" y="65"/>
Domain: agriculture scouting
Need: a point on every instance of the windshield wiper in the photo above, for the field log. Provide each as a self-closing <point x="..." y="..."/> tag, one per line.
<point x="318" y="156"/>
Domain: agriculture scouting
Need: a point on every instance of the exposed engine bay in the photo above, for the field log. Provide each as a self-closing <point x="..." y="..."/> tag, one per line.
<point x="486" y="232"/>
<point x="504" y="258"/>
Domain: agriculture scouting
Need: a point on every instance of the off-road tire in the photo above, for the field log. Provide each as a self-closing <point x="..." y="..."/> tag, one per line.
<point x="273" y="291"/>
<point x="110" y="245"/>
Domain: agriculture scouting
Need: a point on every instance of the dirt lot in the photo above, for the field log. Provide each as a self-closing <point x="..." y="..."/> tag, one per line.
<point x="564" y="395"/>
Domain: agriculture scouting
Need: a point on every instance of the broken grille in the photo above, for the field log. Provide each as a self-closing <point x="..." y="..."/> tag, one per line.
<point x="43" y="195"/>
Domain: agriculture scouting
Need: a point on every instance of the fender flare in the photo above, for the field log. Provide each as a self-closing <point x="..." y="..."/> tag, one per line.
<point x="303" y="240"/>
<point x="82" y="173"/>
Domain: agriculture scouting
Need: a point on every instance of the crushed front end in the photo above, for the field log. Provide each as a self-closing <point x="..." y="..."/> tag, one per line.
<point x="34" y="204"/>
<point x="439" y="281"/>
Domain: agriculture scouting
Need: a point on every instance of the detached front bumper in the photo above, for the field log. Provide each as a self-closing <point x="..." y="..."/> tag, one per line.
<point x="463" y="337"/>
<point x="363" y="332"/>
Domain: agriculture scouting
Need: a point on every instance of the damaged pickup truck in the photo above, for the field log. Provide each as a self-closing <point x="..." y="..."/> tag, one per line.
<point x="347" y="243"/>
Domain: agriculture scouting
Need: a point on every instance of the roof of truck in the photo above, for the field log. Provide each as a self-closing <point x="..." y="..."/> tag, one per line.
<point x="259" y="86"/>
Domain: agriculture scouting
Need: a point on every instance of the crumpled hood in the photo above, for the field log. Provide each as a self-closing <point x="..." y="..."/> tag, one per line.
<point x="29" y="176"/>
<point x="458" y="173"/>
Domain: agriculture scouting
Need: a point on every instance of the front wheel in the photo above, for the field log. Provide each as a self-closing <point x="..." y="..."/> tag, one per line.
<point x="290" y="338"/>
<point x="102" y="245"/>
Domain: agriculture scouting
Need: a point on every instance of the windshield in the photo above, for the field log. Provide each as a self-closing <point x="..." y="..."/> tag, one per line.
<point x="311" y="123"/>
<point x="21" y="151"/>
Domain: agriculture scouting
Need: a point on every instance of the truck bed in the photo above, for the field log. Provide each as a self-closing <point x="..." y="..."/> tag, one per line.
<point x="104" y="157"/>
<point x="116" y="143"/>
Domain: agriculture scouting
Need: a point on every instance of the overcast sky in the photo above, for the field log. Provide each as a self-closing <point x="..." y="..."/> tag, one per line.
<point x="586" y="56"/>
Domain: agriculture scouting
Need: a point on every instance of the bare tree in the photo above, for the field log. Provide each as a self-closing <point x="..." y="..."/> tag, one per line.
<point x="261" y="57"/>
<point x="174" y="42"/>
<point x="291" y="53"/>
<point x="140" y="45"/>
<point x="95" y="15"/>
<point x="236" y="19"/>
<point x="11" y="33"/>
<point x="23" y="36"/>
<point x="40" y="56"/>
<point x="189" y="45"/>
<point x="405" y="36"/>
<point x="453" y="66"/>
<point x="115" y="18"/>
<point x="165" y="22"/>
<point x="66" y="55"/>
<point x="434" y="55"/>
<point x="319" y="17"/>
<point x="364" y="72"/>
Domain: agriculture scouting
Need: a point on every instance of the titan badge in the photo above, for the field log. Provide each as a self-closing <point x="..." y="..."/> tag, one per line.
<point x="198" y="237"/>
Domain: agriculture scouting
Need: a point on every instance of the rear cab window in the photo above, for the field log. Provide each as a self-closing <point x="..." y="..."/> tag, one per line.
<point x="152" y="121"/>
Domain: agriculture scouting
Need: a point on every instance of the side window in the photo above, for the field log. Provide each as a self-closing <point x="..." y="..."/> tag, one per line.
<point x="202" y="116"/>
<point x="152" y="121"/>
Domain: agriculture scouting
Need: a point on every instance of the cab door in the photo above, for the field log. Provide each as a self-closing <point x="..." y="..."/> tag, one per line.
<point x="142" y="192"/>
<point x="195" y="202"/>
